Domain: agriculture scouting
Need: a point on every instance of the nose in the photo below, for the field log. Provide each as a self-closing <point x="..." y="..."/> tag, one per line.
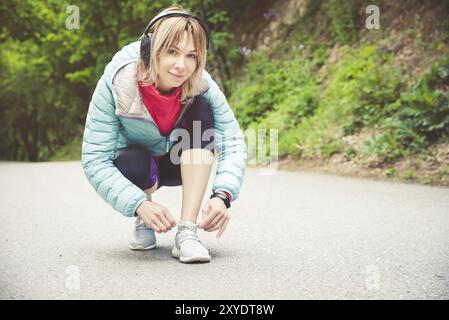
<point x="180" y="63"/>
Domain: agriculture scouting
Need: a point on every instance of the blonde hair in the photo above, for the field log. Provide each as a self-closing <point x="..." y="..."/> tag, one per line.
<point x="166" y="33"/>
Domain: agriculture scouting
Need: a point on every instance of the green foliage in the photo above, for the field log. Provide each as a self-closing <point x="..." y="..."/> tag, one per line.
<point x="342" y="17"/>
<point x="272" y="89"/>
<point x="364" y="83"/>
<point x="363" y="89"/>
<point x="422" y="116"/>
<point x="388" y="146"/>
<point x="276" y="94"/>
<point x="427" y="180"/>
<point x="390" y="172"/>
<point x="69" y="152"/>
<point x="408" y="174"/>
<point x="425" y="109"/>
<point x="49" y="72"/>
<point x="359" y="91"/>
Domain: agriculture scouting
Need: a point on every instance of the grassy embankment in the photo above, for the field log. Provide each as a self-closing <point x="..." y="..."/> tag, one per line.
<point x="359" y="102"/>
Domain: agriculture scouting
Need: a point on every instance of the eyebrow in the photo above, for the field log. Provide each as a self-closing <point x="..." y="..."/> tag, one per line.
<point x="178" y="48"/>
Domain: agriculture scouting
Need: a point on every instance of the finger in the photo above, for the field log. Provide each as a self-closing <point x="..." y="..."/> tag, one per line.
<point x="148" y="222"/>
<point x="223" y="227"/>
<point x="165" y="222"/>
<point x="170" y="219"/>
<point x="153" y="226"/>
<point x="159" y="225"/>
<point x="217" y="218"/>
<point x="219" y="224"/>
<point x="162" y="216"/>
<point x="215" y="225"/>
<point x="209" y="218"/>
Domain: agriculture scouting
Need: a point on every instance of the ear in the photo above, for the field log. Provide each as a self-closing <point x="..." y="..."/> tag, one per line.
<point x="145" y="48"/>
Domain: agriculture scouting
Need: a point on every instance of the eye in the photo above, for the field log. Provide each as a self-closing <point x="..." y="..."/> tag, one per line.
<point x="193" y="56"/>
<point x="171" y="51"/>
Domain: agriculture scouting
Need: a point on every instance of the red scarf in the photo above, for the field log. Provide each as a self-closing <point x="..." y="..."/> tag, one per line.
<point x="164" y="109"/>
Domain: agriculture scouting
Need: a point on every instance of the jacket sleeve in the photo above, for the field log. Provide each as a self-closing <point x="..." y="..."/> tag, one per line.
<point x="229" y="142"/>
<point x="98" y="151"/>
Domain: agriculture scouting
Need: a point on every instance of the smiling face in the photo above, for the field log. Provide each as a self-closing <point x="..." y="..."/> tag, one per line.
<point x="177" y="65"/>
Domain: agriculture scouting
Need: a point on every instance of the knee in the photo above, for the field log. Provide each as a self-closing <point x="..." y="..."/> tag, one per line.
<point x="201" y="111"/>
<point x="200" y="119"/>
<point x="134" y="162"/>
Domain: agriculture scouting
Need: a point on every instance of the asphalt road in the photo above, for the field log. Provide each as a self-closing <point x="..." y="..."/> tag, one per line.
<point x="292" y="235"/>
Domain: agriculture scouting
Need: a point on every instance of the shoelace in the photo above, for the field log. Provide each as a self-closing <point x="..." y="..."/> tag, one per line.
<point x="185" y="231"/>
<point x="188" y="231"/>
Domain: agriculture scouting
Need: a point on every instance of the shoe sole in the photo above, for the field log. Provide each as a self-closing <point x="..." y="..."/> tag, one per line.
<point x="142" y="248"/>
<point x="177" y="254"/>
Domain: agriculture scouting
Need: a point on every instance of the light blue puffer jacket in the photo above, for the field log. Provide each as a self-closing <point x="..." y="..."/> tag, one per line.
<point x="110" y="127"/>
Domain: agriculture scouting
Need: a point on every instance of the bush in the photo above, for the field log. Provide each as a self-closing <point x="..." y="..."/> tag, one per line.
<point x="421" y="118"/>
<point x="363" y="81"/>
<point x="268" y="84"/>
<point x="276" y="94"/>
<point x="314" y="110"/>
<point x="359" y="92"/>
<point x="425" y="109"/>
<point x="342" y="17"/>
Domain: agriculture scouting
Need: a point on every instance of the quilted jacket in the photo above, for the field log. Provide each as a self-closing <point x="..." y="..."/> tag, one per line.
<point x="117" y="117"/>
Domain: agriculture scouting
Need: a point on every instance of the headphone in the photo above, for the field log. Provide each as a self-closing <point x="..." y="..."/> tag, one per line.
<point x="145" y="40"/>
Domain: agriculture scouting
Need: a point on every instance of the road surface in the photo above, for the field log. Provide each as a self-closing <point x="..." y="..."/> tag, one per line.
<point x="292" y="235"/>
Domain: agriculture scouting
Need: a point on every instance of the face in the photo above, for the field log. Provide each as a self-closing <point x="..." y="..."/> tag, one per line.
<point x="178" y="64"/>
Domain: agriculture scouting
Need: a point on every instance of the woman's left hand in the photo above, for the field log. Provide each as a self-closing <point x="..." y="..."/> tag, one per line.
<point x="215" y="216"/>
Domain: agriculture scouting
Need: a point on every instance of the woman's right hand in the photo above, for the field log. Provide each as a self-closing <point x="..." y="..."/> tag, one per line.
<point x="156" y="216"/>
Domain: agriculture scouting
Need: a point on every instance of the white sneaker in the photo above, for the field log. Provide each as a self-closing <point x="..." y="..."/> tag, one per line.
<point x="144" y="237"/>
<point x="188" y="248"/>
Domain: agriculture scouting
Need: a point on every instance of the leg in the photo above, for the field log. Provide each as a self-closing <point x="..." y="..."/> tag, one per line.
<point x="137" y="165"/>
<point x="192" y="173"/>
<point x="194" y="181"/>
<point x="196" y="160"/>
<point x="196" y="163"/>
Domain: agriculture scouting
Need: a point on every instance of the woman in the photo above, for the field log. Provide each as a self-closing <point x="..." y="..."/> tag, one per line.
<point x="154" y="109"/>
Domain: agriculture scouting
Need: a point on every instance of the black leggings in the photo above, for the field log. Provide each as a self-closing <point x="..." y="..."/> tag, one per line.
<point x="141" y="168"/>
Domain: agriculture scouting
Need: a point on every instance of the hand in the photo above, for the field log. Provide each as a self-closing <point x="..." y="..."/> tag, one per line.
<point x="215" y="216"/>
<point x="156" y="216"/>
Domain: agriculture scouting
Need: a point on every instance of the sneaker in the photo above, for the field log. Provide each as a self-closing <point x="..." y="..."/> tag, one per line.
<point x="188" y="248"/>
<point x="144" y="237"/>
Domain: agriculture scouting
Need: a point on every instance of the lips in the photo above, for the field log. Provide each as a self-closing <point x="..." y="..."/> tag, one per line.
<point x="176" y="76"/>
